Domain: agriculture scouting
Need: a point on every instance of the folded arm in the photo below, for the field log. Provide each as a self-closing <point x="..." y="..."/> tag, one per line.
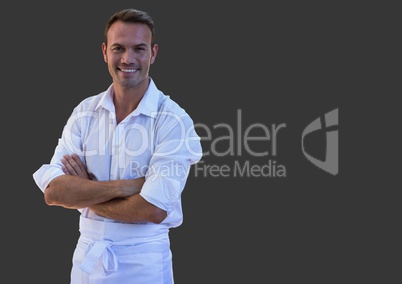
<point x="116" y="199"/>
<point x="130" y="209"/>
<point x="74" y="192"/>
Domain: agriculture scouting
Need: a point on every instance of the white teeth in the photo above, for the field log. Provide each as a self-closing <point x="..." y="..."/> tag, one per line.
<point x="128" y="70"/>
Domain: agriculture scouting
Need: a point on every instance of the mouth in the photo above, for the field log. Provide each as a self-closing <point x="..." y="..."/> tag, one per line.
<point x="128" y="70"/>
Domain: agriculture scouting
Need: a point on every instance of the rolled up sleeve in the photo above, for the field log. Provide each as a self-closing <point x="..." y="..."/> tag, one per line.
<point x="178" y="147"/>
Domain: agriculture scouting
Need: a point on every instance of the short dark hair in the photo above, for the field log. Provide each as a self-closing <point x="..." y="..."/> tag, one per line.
<point x="131" y="16"/>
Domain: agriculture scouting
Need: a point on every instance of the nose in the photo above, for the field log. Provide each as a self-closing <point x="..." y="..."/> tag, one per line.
<point x="128" y="57"/>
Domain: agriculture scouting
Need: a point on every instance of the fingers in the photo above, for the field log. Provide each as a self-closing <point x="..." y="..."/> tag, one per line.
<point x="64" y="169"/>
<point x="77" y="163"/>
<point x="73" y="165"/>
<point x="68" y="166"/>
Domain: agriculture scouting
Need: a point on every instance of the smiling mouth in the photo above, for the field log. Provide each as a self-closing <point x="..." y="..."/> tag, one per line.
<point x="128" y="70"/>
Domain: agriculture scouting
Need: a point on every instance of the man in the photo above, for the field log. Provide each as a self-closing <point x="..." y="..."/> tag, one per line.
<point x="123" y="160"/>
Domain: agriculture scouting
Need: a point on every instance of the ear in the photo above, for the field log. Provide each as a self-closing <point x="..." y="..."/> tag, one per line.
<point x="104" y="49"/>
<point x="154" y="53"/>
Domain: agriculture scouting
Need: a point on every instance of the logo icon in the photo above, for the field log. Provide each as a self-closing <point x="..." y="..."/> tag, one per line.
<point x="330" y="164"/>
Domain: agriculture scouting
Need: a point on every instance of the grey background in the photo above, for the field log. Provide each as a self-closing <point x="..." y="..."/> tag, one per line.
<point x="287" y="63"/>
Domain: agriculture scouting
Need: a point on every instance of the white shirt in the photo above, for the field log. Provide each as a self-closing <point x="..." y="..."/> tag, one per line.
<point x="157" y="140"/>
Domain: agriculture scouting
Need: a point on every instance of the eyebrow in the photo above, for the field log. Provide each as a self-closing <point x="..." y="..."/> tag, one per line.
<point x="137" y="45"/>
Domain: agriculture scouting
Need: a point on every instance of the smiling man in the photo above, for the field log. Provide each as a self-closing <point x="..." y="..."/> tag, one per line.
<point x="123" y="160"/>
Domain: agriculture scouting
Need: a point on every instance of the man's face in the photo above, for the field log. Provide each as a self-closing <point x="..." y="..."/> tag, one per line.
<point x="128" y="53"/>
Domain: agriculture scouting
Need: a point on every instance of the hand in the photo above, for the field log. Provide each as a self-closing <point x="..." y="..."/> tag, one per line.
<point x="72" y="165"/>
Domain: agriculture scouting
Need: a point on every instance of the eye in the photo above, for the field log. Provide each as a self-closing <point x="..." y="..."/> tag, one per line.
<point x="117" y="49"/>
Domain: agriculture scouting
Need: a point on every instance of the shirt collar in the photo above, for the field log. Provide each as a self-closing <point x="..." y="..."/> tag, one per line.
<point x="147" y="106"/>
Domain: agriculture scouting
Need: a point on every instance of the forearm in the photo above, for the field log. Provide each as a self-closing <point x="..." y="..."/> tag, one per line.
<point x="75" y="192"/>
<point x="131" y="209"/>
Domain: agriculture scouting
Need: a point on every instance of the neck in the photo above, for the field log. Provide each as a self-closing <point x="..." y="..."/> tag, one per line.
<point x="126" y="100"/>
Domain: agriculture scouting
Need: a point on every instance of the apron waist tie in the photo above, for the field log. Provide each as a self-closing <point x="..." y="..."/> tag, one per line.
<point x="97" y="249"/>
<point x="92" y="230"/>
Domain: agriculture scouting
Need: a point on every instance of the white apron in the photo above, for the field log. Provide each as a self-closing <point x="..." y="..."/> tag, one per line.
<point x="116" y="253"/>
